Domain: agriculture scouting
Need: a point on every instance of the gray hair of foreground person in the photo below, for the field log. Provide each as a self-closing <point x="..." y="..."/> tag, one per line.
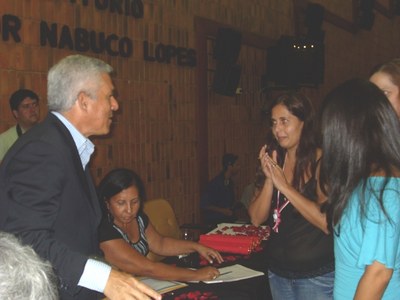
<point x="71" y="76"/>
<point x="23" y="274"/>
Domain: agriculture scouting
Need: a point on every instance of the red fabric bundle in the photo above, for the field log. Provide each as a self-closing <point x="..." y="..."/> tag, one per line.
<point x="229" y="243"/>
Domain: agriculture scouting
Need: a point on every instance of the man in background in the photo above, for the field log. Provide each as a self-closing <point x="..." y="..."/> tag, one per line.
<point x="47" y="196"/>
<point x="218" y="200"/>
<point x="24" y="106"/>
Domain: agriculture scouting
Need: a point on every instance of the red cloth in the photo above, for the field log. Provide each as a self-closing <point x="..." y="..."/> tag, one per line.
<point x="230" y="244"/>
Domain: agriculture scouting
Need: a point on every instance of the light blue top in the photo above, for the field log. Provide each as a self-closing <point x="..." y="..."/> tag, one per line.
<point x="363" y="240"/>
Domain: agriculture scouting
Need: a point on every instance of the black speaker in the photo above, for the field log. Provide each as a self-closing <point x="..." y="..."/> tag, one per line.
<point x="314" y="17"/>
<point x="396" y="7"/>
<point x="226" y="79"/>
<point x="367" y="5"/>
<point x="296" y="62"/>
<point x="366" y="20"/>
<point x="280" y="63"/>
<point x="227" y="45"/>
<point x="366" y="16"/>
<point x="310" y="60"/>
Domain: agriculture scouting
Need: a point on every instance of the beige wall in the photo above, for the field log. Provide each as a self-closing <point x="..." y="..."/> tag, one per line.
<point x="156" y="130"/>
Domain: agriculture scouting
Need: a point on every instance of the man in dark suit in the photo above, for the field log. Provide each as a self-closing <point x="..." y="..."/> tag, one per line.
<point x="47" y="196"/>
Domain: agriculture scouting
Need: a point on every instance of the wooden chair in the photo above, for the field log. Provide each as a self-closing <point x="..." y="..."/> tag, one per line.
<point x="163" y="218"/>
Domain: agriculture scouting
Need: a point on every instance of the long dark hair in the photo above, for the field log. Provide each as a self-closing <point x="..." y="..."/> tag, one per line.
<point x="360" y="135"/>
<point x="118" y="180"/>
<point x="300" y="106"/>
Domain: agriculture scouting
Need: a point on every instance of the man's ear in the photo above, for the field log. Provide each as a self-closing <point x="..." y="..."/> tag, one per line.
<point x="82" y="101"/>
<point x="15" y="113"/>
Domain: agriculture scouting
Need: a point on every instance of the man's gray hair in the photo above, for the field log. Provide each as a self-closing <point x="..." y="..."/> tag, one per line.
<point x="71" y="76"/>
<point x="23" y="274"/>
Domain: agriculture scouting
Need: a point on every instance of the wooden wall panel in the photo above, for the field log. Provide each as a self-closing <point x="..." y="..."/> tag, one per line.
<point x="172" y="128"/>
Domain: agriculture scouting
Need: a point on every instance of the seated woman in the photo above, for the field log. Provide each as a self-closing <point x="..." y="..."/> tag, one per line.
<point x="126" y="234"/>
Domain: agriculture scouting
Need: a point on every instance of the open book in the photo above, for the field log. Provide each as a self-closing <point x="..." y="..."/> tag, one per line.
<point x="234" y="273"/>
<point x="162" y="286"/>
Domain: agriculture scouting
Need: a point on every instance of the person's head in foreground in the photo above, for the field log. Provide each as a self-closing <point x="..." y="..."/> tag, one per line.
<point x="23" y="274"/>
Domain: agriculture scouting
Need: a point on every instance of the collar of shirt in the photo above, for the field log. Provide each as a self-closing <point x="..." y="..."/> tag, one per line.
<point x="84" y="145"/>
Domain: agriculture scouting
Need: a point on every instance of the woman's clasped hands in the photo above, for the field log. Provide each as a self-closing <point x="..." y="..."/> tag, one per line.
<point x="271" y="168"/>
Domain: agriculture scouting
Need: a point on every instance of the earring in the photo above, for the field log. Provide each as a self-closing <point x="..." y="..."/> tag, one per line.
<point x="109" y="217"/>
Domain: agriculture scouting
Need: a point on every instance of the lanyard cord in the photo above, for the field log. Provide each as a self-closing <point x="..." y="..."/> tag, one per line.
<point x="285" y="203"/>
<point x="277" y="211"/>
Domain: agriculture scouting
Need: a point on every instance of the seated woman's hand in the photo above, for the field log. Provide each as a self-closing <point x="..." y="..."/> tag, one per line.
<point x="207" y="273"/>
<point x="209" y="254"/>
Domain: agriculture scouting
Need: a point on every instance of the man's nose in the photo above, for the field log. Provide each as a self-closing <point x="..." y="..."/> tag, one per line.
<point x="114" y="104"/>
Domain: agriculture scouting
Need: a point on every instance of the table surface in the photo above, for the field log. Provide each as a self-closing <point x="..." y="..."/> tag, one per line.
<point x="255" y="288"/>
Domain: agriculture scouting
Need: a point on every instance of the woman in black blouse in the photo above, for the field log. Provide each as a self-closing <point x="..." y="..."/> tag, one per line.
<point x="288" y="198"/>
<point x="126" y="234"/>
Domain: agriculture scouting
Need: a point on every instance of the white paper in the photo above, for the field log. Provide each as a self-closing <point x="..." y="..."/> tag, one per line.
<point x="234" y="273"/>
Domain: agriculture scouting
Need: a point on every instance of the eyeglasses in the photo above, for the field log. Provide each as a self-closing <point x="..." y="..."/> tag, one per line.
<point x="27" y="106"/>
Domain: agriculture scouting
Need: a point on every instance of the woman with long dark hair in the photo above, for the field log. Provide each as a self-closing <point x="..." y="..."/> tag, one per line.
<point x="300" y="248"/>
<point x="126" y="234"/>
<point x="361" y="168"/>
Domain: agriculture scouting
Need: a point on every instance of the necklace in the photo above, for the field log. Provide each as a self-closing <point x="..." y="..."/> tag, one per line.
<point x="276" y="215"/>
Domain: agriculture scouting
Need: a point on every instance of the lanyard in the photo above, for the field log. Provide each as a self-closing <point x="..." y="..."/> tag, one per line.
<point x="277" y="212"/>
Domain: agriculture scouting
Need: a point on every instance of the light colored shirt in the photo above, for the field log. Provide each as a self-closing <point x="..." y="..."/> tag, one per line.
<point x="83" y="144"/>
<point x="361" y="240"/>
<point x="7" y="139"/>
<point x="96" y="273"/>
<point x="248" y="194"/>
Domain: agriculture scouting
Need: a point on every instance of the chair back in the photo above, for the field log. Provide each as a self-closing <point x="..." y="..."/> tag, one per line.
<point x="163" y="218"/>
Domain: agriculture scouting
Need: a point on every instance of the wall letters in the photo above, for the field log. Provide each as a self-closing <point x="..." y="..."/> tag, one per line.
<point x="84" y="40"/>
<point x="132" y="8"/>
<point x="10" y="26"/>
<point x="165" y="53"/>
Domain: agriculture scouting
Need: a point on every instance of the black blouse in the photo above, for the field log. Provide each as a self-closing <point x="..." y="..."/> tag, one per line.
<point x="109" y="231"/>
<point x="299" y="249"/>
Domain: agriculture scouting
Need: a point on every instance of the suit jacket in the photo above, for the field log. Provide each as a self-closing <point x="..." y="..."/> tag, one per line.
<point x="50" y="202"/>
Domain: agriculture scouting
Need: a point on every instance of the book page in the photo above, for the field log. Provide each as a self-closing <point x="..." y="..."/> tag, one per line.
<point x="234" y="273"/>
